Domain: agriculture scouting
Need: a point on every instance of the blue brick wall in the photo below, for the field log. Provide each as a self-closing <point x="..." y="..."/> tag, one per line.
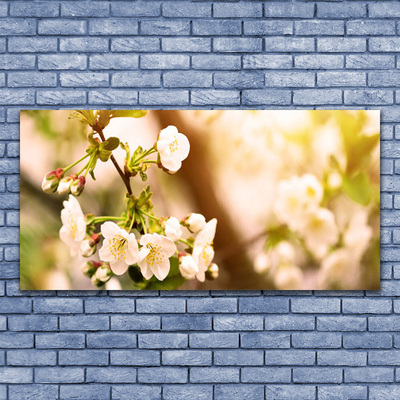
<point x="199" y="345"/>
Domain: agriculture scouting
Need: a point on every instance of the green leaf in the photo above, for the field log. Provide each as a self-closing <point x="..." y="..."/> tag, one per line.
<point x="358" y="188"/>
<point x="85" y="116"/>
<point x="128" y="113"/>
<point x="110" y="144"/>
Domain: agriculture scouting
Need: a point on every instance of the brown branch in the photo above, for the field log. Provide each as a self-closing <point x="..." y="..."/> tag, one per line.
<point x="114" y="161"/>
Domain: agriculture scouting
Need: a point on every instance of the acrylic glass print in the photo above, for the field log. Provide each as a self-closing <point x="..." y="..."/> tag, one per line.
<point x="217" y="199"/>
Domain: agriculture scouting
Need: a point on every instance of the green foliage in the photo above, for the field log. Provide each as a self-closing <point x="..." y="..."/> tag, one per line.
<point x="128" y="113"/>
<point x="358" y="188"/>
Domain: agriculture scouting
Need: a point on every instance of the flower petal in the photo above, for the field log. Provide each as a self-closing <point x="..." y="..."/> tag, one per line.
<point x="161" y="270"/>
<point x="110" y="229"/>
<point x="118" y="267"/>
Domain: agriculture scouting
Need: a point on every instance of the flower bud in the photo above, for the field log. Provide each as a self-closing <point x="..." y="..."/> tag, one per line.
<point x="188" y="267"/>
<point x="90" y="268"/>
<point x="194" y="222"/>
<point x="64" y="185"/>
<point x="51" y="180"/>
<point x="173" y="229"/>
<point x="102" y="275"/>
<point x="86" y="249"/>
<point x="78" y="185"/>
<point x="212" y="272"/>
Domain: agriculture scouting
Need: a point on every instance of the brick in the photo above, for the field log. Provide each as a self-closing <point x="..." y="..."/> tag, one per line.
<point x="384" y="357"/>
<point x="319" y="61"/>
<point x="160" y="305"/>
<point x="84" y="323"/>
<point x="36" y="9"/>
<point x="109" y="96"/>
<point x="13" y="151"/>
<point x="386" y="323"/>
<point x="32" y="79"/>
<point x="215" y="62"/>
<point x="270" y="97"/>
<point x="176" y="97"/>
<point x="368" y="374"/>
<point x="289" y="323"/>
<point x="384" y="78"/>
<point x="113" y="27"/>
<point x="113" y="61"/>
<point x="63" y="97"/>
<point x="289" y="357"/>
<point x="288" y="10"/>
<point x="368" y="97"/>
<point x="367" y="306"/>
<point x="32" y="391"/>
<point x="57" y="306"/>
<point x="110" y="375"/>
<point x="216" y="27"/>
<point x="16" y="375"/>
<point x="387" y="44"/>
<point x="83" y="357"/>
<point x="186" y="323"/>
<point x="370" y="61"/>
<point x="342" y="392"/>
<point x="76" y="9"/>
<point x="214" y="97"/>
<point x="193" y="45"/>
<point x="318" y="27"/>
<point x="19" y="26"/>
<point x="240" y="10"/>
<point x="15" y="306"/>
<point x="384" y="10"/>
<point x="289" y="45"/>
<point x="31" y="357"/>
<point x="135" y="322"/>
<point x="136" y="392"/>
<point x="367" y="28"/>
<point x="341" y="323"/>
<point x="214" y="375"/>
<point x="237" y="45"/>
<point x="84" y="79"/>
<point x="16" y="340"/>
<point x="164" y="61"/>
<point x="136" y="79"/>
<point x="216" y="340"/>
<point x="317" y="97"/>
<point x="267" y="61"/>
<point x="346" y="10"/>
<point x="96" y="391"/>
<point x="32" y="45"/>
<point x="129" y="9"/>
<point x="135" y="357"/>
<point x="186" y="10"/>
<point x="32" y="323"/>
<point x="342" y="358"/>
<point x="263" y="305"/>
<point x="89" y="45"/>
<point x="186" y="79"/>
<point x="179" y="392"/>
<point x="60" y="375"/>
<point x="135" y="44"/>
<point x="238" y="357"/>
<point x="317" y="375"/>
<point x="61" y="61"/>
<point x="259" y="340"/>
<point x="61" y="27"/>
<point x="342" y="78"/>
<point x="17" y="61"/>
<point x="316" y="340"/>
<point x="236" y="392"/>
<point x="341" y="45"/>
<point x="60" y="340"/>
<point x="289" y="392"/>
<point x="187" y="357"/>
<point x="163" y="340"/>
<point x="109" y="306"/>
<point x="165" y="28"/>
<point x="242" y="323"/>
<point x="367" y="341"/>
<point x="162" y="375"/>
<point x="212" y="305"/>
<point x="325" y="306"/>
<point x="261" y="28"/>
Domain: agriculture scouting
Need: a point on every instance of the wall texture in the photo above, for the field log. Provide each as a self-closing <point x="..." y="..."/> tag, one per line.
<point x="201" y="345"/>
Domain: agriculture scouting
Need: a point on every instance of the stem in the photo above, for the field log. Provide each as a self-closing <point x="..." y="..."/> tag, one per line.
<point x="185" y="242"/>
<point x="77" y="162"/>
<point x="150" y="162"/>
<point x="121" y="173"/>
<point x="146" y="153"/>
<point x="143" y="224"/>
<point x="148" y="215"/>
<point x="101" y="219"/>
<point x="85" y="167"/>
<point x="130" y="226"/>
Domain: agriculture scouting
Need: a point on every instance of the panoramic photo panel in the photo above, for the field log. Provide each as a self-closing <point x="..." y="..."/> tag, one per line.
<point x="200" y="200"/>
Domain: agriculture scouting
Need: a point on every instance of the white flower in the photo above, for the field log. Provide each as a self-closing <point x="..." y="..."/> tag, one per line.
<point x="339" y="271"/>
<point x="119" y="248"/>
<point x="64" y="186"/>
<point x="203" y="251"/>
<point x="87" y="250"/>
<point x="297" y="196"/>
<point x="288" y="277"/>
<point x="358" y="234"/>
<point x="188" y="267"/>
<point x="113" y="284"/>
<point x="173" y="229"/>
<point x="262" y="263"/>
<point x="154" y="255"/>
<point x="319" y="231"/>
<point x="103" y="273"/>
<point x="173" y="147"/>
<point x="195" y="222"/>
<point x="74" y="226"/>
<point x="282" y="254"/>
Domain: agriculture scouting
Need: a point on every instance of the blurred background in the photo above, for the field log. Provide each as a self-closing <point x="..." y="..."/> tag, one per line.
<point x="234" y="172"/>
